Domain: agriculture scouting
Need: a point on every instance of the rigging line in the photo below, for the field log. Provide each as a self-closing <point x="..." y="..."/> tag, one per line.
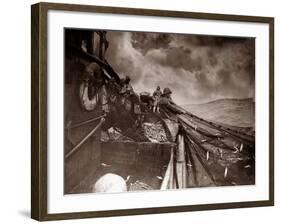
<point x="225" y="145"/>
<point x="239" y="138"/>
<point x="85" y="122"/>
<point x="84" y="139"/>
<point x="222" y="129"/>
<point x="200" y="119"/>
<point x="236" y="129"/>
<point x="218" y="127"/>
<point x="190" y="137"/>
<point x="209" y="135"/>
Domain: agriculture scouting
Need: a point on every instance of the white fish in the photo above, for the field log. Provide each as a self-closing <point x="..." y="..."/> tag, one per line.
<point x="153" y="140"/>
<point x="225" y="172"/>
<point x="159" y="177"/>
<point x="241" y="147"/>
<point x="207" y="155"/>
<point x="105" y="165"/>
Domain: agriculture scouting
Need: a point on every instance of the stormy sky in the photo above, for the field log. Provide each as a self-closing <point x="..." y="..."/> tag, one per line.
<point x="196" y="68"/>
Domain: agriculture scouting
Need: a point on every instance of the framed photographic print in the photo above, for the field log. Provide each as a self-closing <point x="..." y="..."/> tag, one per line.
<point x="138" y="111"/>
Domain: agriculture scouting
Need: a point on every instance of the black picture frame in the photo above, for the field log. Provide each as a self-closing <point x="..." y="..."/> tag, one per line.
<point x="39" y="105"/>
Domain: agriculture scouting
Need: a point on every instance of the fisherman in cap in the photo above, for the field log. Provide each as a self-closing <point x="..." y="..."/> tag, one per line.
<point x="167" y="94"/>
<point x="156" y="96"/>
<point x="166" y="97"/>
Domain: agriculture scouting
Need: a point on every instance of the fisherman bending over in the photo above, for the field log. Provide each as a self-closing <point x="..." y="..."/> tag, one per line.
<point x="166" y="96"/>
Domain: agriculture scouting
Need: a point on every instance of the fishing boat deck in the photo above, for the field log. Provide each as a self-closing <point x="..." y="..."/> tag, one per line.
<point x="143" y="163"/>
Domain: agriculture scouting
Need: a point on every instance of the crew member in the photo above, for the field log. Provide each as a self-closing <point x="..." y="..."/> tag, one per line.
<point x="126" y="88"/>
<point x="156" y="96"/>
<point x="166" y="96"/>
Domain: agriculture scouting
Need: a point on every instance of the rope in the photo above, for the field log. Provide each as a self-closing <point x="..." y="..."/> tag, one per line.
<point x="239" y="138"/>
<point x="222" y="129"/>
<point x="85" y="122"/>
<point x="84" y="139"/>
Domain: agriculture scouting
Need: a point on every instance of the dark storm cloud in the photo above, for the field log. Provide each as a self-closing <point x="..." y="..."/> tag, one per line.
<point x="196" y="68"/>
<point x="146" y="41"/>
<point x="177" y="58"/>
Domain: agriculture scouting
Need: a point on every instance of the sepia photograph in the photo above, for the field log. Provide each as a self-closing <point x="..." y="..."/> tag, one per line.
<point x="157" y="111"/>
